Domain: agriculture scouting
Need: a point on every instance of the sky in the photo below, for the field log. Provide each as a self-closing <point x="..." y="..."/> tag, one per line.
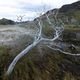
<point x="29" y="9"/>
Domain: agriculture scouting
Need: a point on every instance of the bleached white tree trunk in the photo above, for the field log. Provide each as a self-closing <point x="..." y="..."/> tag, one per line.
<point x="25" y="51"/>
<point x="58" y="30"/>
<point x="38" y="38"/>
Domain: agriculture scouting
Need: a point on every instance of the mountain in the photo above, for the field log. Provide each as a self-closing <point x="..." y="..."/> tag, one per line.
<point x="70" y="14"/>
<point x="70" y="7"/>
<point x="5" y="21"/>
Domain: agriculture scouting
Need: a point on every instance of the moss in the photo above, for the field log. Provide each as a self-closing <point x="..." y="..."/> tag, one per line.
<point x="53" y="65"/>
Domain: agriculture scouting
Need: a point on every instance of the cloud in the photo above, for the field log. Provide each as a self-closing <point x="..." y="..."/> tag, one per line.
<point x="12" y="8"/>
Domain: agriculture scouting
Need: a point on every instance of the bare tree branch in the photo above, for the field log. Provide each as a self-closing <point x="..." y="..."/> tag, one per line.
<point x="63" y="51"/>
<point x="38" y="39"/>
<point x="20" y="18"/>
<point x="40" y="30"/>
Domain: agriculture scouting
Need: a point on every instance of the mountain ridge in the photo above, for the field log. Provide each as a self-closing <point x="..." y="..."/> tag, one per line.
<point x="70" y="7"/>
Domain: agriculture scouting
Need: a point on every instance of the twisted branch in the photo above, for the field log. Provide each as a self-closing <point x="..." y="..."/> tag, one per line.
<point x="38" y="39"/>
<point x="63" y="51"/>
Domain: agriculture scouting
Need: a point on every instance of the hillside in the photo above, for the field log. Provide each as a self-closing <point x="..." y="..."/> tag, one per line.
<point x="70" y="14"/>
<point x="5" y="21"/>
<point x="70" y="7"/>
<point x="43" y="63"/>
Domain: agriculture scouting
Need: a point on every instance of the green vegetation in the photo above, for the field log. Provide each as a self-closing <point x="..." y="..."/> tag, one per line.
<point x="75" y="14"/>
<point x="47" y="29"/>
<point x="53" y="65"/>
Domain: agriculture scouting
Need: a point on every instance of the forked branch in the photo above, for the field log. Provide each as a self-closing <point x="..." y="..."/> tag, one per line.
<point x="38" y="39"/>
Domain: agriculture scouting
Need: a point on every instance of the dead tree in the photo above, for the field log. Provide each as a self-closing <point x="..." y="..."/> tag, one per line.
<point x="20" y="18"/>
<point x="38" y="38"/>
